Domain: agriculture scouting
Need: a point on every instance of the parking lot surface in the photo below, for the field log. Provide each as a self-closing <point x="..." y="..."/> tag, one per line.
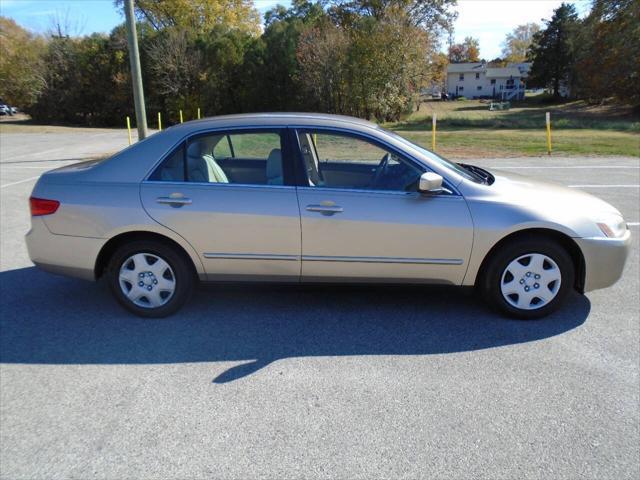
<point x="307" y="381"/>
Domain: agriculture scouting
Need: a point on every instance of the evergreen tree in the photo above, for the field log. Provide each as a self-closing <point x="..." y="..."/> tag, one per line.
<point x="553" y="51"/>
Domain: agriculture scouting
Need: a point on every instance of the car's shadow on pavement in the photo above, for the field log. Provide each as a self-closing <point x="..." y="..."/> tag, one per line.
<point x="46" y="319"/>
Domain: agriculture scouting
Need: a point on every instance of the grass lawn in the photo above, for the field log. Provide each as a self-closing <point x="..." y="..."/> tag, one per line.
<point x="467" y="129"/>
<point x="477" y="143"/>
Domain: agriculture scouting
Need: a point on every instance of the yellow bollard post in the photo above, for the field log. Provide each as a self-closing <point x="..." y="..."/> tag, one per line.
<point x="198" y="113"/>
<point x="548" y="118"/>
<point x="181" y="120"/>
<point x="129" y="128"/>
<point x="159" y="122"/>
<point x="433" y="132"/>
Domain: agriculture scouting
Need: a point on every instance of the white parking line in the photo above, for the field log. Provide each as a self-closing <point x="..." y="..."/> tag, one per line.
<point x="21" y="181"/>
<point x="604" y="186"/>
<point x="633" y="224"/>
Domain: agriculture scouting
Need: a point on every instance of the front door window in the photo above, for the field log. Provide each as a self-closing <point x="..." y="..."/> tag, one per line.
<point x="336" y="160"/>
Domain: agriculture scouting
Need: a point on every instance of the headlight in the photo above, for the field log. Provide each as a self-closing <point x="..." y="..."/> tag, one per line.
<point x="613" y="226"/>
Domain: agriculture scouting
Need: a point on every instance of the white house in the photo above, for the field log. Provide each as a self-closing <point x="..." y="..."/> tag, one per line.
<point x="477" y="80"/>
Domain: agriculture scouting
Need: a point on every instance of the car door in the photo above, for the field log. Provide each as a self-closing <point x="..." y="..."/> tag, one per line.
<point x="364" y="220"/>
<point x="241" y="230"/>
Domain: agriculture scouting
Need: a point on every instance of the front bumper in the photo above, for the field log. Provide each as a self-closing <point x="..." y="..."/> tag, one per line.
<point x="62" y="254"/>
<point x="604" y="260"/>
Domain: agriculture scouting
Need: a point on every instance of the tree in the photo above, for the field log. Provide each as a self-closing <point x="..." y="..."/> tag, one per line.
<point x="21" y="68"/>
<point x="497" y="62"/>
<point x="198" y="15"/>
<point x="467" y="51"/>
<point x="472" y="48"/>
<point x="368" y="68"/>
<point x="367" y="58"/>
<point x="608" y="52"/>
<point x="279" y="72"/>
<point x="434" y="16"/>
<point x="224" y="72"/>
<point x="515" y="46"/>
<point x="304" y="10"/>
<point x="553" y="51"/>
<point x="322" y="54"/>
<point x="272" y="63"/>
<point x="86" y="80"/>
<point x="174" y="65"/>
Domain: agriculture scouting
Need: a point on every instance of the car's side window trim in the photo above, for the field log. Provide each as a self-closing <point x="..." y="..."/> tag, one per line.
<point x="230" y="143"/>
<point x="288" y="152"/>
<point x="303" y="180"/>
<point x="292" y="145"/>
<point x="294" y="159"/>
<point x="220" y="185"/>
<point x="449" y="194"/>
<point x="302" y="177"/>
<point x="185" y="168"/>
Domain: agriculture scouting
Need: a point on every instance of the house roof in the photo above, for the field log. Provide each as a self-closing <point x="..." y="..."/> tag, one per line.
<point x="465" y="67"/>
<point x="503" y="72"/>
<point x="519" y="64"/>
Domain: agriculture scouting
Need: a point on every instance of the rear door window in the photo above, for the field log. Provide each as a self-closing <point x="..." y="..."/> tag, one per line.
<point x="249" y="158"/>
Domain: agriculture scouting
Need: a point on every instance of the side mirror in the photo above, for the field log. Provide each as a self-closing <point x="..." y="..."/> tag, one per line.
<point x="430" y="183"/>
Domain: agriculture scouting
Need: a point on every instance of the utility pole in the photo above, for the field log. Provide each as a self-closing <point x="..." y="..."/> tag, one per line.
<point x="136" y="74"/>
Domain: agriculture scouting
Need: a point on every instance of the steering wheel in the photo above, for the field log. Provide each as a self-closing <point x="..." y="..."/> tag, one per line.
<point x="381" y="170"/>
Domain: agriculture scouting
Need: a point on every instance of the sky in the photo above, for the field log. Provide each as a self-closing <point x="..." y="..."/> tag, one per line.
<point x="491" y="20"/>
<point x="487" y="20"/>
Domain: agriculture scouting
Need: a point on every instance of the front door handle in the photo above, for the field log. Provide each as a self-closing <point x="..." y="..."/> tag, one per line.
<point x="325" y="209"/>
<point x="174" y="201"/>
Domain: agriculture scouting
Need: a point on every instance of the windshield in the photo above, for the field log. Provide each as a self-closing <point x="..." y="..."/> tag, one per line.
<point x="437" y="158"/>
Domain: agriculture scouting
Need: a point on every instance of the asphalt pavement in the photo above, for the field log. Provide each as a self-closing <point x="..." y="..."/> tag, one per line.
<point x="312" y="382"/>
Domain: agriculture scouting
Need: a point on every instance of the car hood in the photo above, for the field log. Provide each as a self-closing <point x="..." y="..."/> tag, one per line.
<point x="526" y="191"/>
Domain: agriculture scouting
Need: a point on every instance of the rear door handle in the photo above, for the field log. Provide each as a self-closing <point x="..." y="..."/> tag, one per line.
<point x="325" y="209"/>
<point x="174" y="201"/>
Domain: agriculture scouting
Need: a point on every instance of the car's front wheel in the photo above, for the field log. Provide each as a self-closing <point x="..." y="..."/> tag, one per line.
<point x="150" y="278"/>
<point x="528" y="278"/>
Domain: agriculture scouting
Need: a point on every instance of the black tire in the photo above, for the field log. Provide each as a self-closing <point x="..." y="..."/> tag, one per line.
<point x="492" y="275"/>
<point x="182" y="273"/>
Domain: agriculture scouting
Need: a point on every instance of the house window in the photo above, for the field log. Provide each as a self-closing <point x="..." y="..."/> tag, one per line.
<point x="461" y="77"/>
<point x="460" y="89"/>
<point x="479" y="87"/>
<point x="477" y="76"/>
<point x="493" y="81"/>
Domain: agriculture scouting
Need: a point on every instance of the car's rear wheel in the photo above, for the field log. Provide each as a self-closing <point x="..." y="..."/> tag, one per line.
<point x="528" y="278"/>
<point x="150" y="278"/>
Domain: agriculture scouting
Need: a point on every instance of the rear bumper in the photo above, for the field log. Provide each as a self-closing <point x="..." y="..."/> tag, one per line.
<point x="604" y="260"/>
<point x="62" y="254"/>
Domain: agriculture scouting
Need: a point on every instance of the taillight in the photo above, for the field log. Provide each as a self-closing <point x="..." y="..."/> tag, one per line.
<point x="41" y="206"/>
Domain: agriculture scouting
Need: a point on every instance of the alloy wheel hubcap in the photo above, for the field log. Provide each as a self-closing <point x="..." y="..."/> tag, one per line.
<point x="147" y="280"/>
<point x="530" y="281"/>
